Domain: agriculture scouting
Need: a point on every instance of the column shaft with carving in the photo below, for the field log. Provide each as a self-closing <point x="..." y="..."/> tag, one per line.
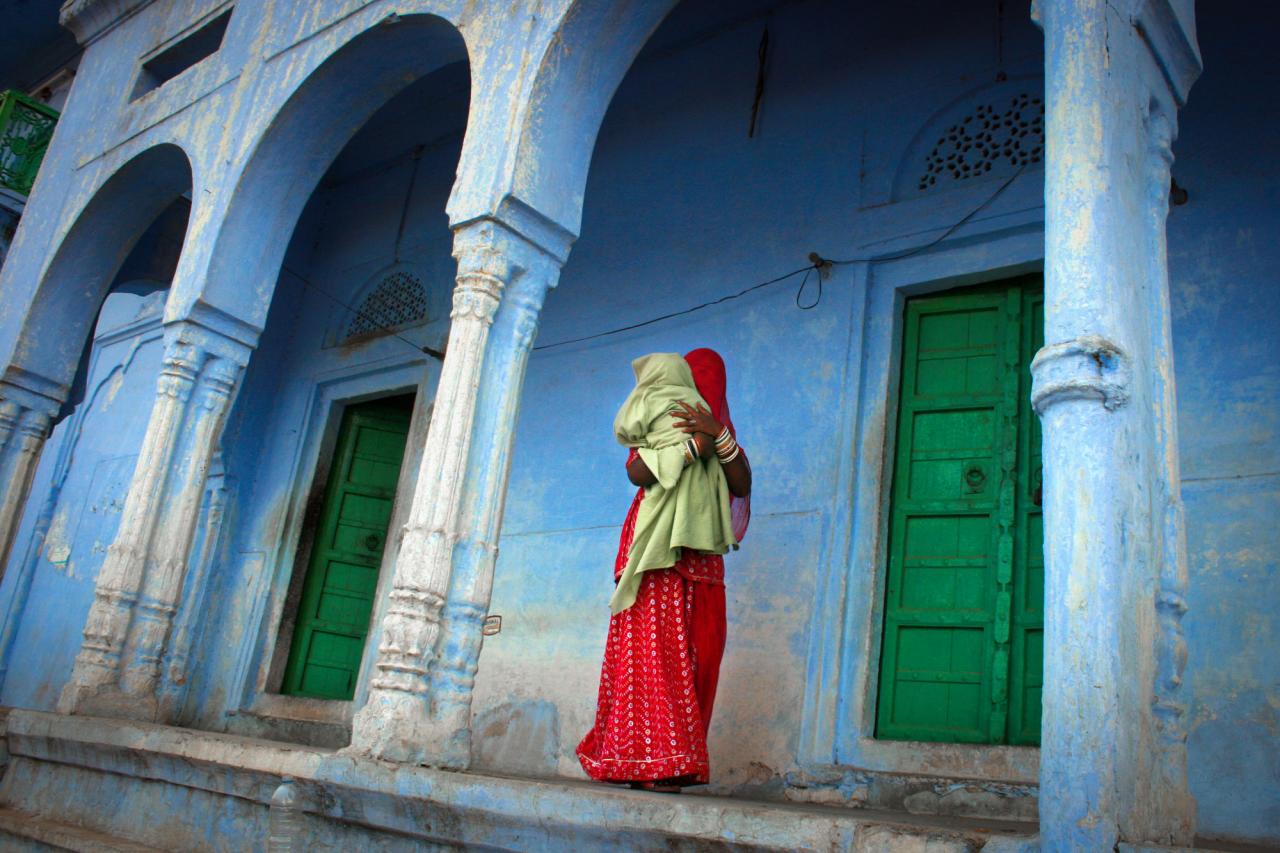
<point x="1103" y="389"/>
<point x="140" y="581"/>
<point x="27" y="406"/>
<point x="97" y="666"/>
<point x="1169" y="702"/>
<point x="396" y="722"/>
<point x="173" y="688"/>
<point x="483" y="501"/>
<point x="167" y="564"/>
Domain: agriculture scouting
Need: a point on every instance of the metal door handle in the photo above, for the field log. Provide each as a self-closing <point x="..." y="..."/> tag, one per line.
<point x="974" y="477"/>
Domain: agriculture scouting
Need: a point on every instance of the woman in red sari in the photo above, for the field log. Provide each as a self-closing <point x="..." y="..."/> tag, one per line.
<point x="662" y="656"/>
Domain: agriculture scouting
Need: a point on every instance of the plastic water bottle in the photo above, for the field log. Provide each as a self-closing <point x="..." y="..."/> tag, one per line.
<point x="285" y="819"/>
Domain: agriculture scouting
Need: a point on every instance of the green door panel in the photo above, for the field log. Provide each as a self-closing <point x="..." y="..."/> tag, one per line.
<point x="960" y="660"/>
<point x="342" y="574"/>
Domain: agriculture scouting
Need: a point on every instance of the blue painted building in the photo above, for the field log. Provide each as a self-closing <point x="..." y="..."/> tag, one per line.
<point x="271" y="240"/>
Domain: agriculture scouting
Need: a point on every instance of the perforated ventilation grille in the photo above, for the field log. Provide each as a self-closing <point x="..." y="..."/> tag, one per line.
<point x="398" y="300"/>
<point x="999" y="134"/>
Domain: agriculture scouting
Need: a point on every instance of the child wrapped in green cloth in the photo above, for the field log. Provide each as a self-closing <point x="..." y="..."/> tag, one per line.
<point x="688" y="506"/>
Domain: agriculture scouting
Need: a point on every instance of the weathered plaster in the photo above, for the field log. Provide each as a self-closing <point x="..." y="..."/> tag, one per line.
<point x="680" y="207"/>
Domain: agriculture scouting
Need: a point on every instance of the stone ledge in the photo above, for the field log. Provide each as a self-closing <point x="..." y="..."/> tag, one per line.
<point x="20" y="830"/>
<point x="346" y="798"/>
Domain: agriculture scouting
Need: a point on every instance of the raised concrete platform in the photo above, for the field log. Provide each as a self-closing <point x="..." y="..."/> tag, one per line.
<point x="179" y="789"/>
<point x="20" y="831"/>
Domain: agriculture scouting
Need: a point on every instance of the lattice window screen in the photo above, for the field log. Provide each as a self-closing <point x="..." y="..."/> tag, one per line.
<point x="398" y="300"/>
<point x="994" y="135"/>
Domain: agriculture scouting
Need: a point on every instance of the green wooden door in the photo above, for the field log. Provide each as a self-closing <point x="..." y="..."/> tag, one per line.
<point x="962" y="653"/>
<point x="342" y="575"/>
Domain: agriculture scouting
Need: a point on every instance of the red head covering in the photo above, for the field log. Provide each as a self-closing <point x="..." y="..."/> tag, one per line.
<point x="709" y="375"/>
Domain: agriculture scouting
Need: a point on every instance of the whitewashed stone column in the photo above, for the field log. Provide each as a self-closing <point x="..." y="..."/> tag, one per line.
<point x="140" y="581"/>
<point x="483" y="499"/>
<point x="174" y="670"/>
<point x="1113" y="753"/>
<point x="27" y="406"/>
<point x="398" y="722"/>
<point x="163" y="585"/>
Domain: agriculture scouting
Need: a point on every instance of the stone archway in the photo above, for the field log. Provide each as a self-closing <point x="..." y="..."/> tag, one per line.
<point x="309" y="131"/>
<point x="49" y="336"/>
<point x="212" y="325"/>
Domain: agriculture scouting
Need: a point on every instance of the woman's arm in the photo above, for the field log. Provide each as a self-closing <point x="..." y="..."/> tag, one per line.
<point x="701" y="424"/>
<point x="640" y="475"/>
<point x="738" y="476"/>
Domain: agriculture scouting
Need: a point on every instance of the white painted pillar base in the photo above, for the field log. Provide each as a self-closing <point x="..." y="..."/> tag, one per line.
<point x="412" y="711"/>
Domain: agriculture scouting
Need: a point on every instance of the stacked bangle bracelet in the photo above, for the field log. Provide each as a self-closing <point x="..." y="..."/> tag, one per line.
<point x="727" y="448"/>
<point x="690" y="450"/>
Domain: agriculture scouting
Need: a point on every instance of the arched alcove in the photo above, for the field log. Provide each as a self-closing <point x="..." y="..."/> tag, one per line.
<point x="335" y="101"/>
<point x="65" y="305"/>
<point x="91" y="339"/>
<point x="337" y="245"/>
<point x="703" y="185"/>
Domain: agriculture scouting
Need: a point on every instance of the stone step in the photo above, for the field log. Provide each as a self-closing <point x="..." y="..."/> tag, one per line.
<point x="161" y="785"/>
<point x="21" y="831"/>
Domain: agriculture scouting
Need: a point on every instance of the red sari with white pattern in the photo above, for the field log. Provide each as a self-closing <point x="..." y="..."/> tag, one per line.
<point x="661" y="663"/>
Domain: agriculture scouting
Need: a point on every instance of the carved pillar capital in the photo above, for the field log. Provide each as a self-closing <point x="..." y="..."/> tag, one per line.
<point x="484" y="269"/>
<point x="218" y="383"/>
<point x="31" y="391"/>
<point x="178" y="370"/>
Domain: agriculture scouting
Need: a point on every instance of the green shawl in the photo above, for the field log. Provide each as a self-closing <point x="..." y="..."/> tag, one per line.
<point x="688" y="507"/>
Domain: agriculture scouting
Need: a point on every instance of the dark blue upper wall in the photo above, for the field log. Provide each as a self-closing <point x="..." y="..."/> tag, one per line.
<point x="32" y="43"/>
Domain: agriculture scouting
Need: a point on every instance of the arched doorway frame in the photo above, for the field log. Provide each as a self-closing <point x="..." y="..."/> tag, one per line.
<point x="50" y="331"/>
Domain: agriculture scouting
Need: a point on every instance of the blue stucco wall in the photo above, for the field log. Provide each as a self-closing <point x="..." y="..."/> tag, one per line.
<point x="682" y="207"/>
<point x="76" y="501"/>
<point x="1223" y="267"/>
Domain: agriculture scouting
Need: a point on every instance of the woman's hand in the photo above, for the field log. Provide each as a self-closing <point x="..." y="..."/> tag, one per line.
<point x="692" y="420"/>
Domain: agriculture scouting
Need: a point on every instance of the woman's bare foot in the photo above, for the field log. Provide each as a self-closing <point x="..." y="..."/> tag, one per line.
<point x="656" y="787"/>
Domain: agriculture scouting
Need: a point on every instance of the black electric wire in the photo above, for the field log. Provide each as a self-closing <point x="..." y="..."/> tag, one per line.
<point x="818" y="263"/>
